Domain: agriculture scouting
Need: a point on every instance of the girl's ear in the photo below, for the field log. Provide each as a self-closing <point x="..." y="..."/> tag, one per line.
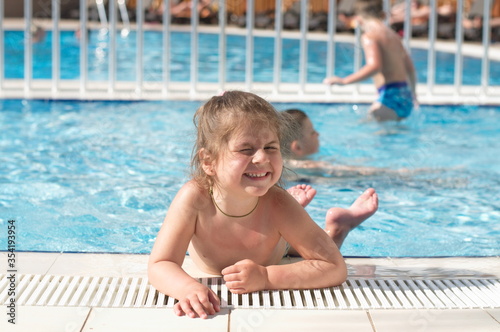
<point x="207" y="162"/>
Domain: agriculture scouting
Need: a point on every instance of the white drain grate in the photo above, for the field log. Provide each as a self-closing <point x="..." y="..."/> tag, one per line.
<point x="51" y="290"/>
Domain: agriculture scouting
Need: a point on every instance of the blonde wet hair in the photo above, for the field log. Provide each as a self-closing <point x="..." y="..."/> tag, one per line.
<point x="223" y="116"/>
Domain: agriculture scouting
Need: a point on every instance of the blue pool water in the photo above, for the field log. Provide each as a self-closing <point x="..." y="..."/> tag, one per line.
<point x="208" y="59"/>
<point x="99" y="176"/>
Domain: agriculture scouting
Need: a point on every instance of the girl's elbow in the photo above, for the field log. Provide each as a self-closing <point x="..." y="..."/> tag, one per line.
<point x="151" y="271"/>
<point x="343" y="276"/>
<point x="339" y="274"/>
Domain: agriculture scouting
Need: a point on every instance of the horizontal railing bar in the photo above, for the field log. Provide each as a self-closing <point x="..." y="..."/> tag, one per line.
<point x="146" y="89"/>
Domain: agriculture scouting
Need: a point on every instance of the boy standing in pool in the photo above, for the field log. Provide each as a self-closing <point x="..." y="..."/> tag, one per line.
<point x="235" y="218"/>
<point x="387" y="61"/>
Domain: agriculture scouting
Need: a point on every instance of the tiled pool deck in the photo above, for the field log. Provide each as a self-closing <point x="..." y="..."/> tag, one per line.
<point x="88" y="318"/>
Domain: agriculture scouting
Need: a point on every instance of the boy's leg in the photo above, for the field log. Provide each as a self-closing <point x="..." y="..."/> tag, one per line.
<point x="381" y="112"/>
<point x="339" y="222"/>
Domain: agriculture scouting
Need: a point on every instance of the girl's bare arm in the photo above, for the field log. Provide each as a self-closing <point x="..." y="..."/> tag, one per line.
<point x="165" y="262"/>
<point x="323" y="265"/>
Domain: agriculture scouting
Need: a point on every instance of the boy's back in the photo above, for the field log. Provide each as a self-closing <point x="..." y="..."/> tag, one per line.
<point x="393" y="55"/>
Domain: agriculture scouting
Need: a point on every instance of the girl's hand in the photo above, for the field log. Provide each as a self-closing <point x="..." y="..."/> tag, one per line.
<point x="199" y="302"/>
<point x="245" y="276"/>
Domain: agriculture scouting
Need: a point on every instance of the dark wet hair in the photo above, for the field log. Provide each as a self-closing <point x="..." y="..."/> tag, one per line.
<point x="370" y="8"/>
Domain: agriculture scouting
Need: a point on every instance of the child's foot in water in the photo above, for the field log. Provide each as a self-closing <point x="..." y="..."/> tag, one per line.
<point x="339" y="221"/>
<point x="304" y="194"/>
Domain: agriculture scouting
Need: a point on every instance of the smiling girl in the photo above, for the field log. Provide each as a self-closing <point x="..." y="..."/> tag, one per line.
<point x="234" y="218"/>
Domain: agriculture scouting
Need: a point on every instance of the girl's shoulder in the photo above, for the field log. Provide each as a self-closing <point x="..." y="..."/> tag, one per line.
<point x="283" y="206"/>
<point x="195" y="195"/>
<point x="278" y="196"/>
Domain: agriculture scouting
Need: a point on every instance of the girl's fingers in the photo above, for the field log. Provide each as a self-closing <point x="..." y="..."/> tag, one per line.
<point x="199" y="309"/>
<point x="187" y="308"/>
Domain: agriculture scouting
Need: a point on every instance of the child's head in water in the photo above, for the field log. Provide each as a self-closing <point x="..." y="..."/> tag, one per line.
<point x="303" y="139"/>
<point x="230" y="130"/>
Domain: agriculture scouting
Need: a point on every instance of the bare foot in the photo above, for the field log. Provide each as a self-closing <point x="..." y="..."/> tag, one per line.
<point x="339" y="221"/>
<point x="304" y="194"/>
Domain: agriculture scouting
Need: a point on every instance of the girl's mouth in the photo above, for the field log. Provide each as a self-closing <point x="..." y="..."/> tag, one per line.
<point x="256" y="175"/>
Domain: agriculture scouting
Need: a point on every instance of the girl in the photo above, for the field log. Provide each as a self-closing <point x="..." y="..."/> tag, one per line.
<point x="234" y="218"/>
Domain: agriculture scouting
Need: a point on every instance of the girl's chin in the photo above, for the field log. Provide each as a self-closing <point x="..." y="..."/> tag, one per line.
<point x="258" y="190"/>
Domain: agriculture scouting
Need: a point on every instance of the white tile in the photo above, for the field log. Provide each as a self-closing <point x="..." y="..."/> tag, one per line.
<point x="495" y="313"/>
<point x="32" y="262"/>
<point x="451" y="267"/>
<point x="449" y="320"/>
<point x="111" y="265"/>
<point x="46" y="319"/>
<point x="151" y="319"/>
<point x="268" y="320"/>
<point x="373" y="268"/>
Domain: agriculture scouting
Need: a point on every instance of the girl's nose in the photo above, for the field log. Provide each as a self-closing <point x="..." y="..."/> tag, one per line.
<point x="260" y="156"/>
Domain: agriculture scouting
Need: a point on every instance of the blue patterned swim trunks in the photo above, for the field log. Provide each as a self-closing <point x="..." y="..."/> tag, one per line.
<point x="398" y="97"/>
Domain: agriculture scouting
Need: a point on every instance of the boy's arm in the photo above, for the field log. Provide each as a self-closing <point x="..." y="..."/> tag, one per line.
<point x="373" y="64"/>
<point x="165" y="262"/>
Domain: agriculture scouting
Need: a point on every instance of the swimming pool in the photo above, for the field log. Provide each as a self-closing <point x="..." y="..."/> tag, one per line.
<point x="99" y="176"/>
<point x="98" y="58"/>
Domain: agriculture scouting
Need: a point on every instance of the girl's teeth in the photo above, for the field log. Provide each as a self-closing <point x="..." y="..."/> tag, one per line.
<point x="257" y="175"/>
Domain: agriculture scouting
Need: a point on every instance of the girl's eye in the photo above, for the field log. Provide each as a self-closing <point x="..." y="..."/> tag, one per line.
<point x="246" y="151"/>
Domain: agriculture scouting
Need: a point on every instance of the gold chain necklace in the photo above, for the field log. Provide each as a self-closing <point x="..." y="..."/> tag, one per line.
<point x="211" y="191"/>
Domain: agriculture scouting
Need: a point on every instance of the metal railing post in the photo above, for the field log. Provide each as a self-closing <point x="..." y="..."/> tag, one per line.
<point x="485" y="65"/>
<point x="56" y="49"/>
<point x="249" y="45"/>
<point x="431" y="55"/>
<point x="278" y="45"/>
<point x="407" y="25"/>
<point x="459" y="38"/>
<point x="330" y="48"/>
<point x="166" y="50"/>
<point x="2" y="56"/>
<point x="304" y="10"/>
<point x="194" y="48"/>
<point x="112" y="47"/>
<point x="387" y="10"/>
<point x="28" y="51"/>
<point x="139" y="48"/>
<point x="222" y="44"/>
<point x="357" y="55"/>
<point x="83" y="48"/>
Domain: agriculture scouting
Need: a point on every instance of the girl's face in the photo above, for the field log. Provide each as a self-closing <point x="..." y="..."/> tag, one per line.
<point x="251" y="163"/>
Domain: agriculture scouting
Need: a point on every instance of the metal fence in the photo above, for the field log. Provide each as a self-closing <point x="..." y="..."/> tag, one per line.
<point x="113" y="16"/>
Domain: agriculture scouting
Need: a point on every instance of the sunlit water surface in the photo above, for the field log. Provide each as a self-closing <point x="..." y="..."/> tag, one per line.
<point x="99" y="176"/>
